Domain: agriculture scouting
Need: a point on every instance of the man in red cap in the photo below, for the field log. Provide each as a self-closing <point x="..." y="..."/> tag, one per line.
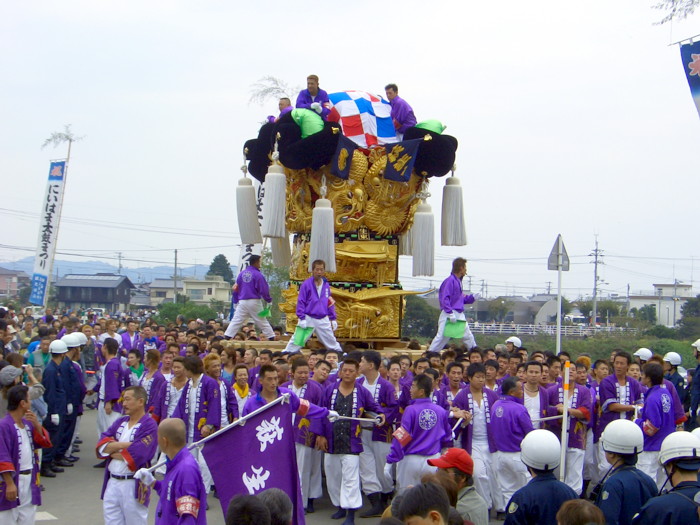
<point x="458" y="464"/>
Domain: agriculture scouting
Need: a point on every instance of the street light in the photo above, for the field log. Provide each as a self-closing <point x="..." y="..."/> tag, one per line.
<point x="667" y="315"/>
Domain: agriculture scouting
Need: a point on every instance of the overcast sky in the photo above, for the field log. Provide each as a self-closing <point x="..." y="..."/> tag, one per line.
<point x="572" y="118"/>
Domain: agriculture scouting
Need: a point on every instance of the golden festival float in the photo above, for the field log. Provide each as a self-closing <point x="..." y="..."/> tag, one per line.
<point x="350" y="191"/>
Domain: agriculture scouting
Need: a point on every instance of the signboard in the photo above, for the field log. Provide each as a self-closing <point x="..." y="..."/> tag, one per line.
<point x="553" y="260"/>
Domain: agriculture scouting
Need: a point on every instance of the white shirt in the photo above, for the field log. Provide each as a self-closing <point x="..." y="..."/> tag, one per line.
<point x="175" y="394"/>
<point x="533" y="407"/>
<point x="479" y="421"/>
<point x="116" y="467"/>
<point x="25" y="448"/>
<point x="192" y="393"/>
<point x="623" y="396"/>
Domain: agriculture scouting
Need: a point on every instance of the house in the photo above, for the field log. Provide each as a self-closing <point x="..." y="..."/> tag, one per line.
<point x="103" y="290"/>
<point x="163" y="290"/>
<point x="11" y="281"/>
<point x="666" y="299"/>
<point x="212" y="287"/>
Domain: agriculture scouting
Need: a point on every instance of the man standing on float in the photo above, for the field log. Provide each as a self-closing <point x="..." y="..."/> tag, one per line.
<point x="452" y="301"/>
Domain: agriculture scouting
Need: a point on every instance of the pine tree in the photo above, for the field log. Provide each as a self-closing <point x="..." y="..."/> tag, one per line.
<point x="221" y="266"/>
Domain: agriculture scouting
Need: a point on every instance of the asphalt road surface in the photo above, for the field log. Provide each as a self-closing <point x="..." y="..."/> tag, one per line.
<point x="73" y="498"/>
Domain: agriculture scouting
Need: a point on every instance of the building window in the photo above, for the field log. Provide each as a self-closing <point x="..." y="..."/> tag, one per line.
<point x="160" y="294"/>
<point x="196" y="295"/>
<point x="208" y="291"/>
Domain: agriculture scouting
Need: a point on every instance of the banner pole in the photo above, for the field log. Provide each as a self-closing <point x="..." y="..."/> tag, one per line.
<point x="565" y="421"/>
<point x="238" y="422"/>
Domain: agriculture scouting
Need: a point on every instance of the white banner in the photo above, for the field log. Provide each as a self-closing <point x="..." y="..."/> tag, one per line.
<point x="48" y="233"/>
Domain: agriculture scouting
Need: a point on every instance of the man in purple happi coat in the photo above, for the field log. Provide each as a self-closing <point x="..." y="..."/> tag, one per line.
<point x="424" y="429"/>
<point x="110" y="386"/>
<point x="618" y="394"/>
<point x="131" y="338"/>
<point x="314" y="98"/>
<point x="342" y="441"/>
<point x="315" y="309"/>
<point x="452" y="301"/>
<point x="200" y="408"/>
<point x="149" y="341"/>
<point x="182" y="496"/>
<point x="128" y="445"/>
<point x="20" y="433"/>
<point x="250" y="290"/>
<point x="376" y="440"/>
<point x="309" y="459"/>
<point x="510" y="423"/>
<point x="656" y="420"/>
<point x="579" y="410"/>
<point x="401" y="113"/>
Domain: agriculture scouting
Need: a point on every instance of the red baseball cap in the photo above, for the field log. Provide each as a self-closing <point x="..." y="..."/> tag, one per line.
<point x="454" y="457"/>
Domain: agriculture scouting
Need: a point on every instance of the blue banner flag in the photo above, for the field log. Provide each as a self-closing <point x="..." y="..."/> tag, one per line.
<point x="690" y="54"/>
<point x="342" y="159"/>
<point x="400" y="158"/>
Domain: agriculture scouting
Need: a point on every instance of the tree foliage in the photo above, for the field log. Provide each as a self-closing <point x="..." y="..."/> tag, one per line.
<point x="270" y="87"/>
<point x="419" y="319"/>
<point x="221" y="266"/>
<point x="498" y="309"/>
<point x="689" y="325"/>
<point x="277" y="280"/>
<point x="676" y="9"/>
<point x="168" y="312"/>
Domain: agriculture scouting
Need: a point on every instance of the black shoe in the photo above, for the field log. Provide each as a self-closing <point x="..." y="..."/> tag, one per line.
<point x="376" y="509"/>
<point x="310" y="506"/>
<point x="72" y="459"/>
<point x="386" y="498"/>
<point x="340" y="513"/>
<point x="54" y="468"/>
<point x="101" y="464"/>
<point x="500" y="516"/>
<point x="46" y="472"/>
<point x="62" y="462"/>
<point x="350" y="520"/>
<point x="75" y="449"/>
<point x="78" y="441"/>
<point x="42" y="488"/>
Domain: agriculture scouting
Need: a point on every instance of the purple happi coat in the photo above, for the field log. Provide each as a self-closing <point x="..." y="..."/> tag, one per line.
<point x="182" y="496"/>
<point x="9" y="458"/>
<point x="154" y="390"/>
<point x="137" y="455"/>
<point x="510" y="423"/>
<point x="305" y="428"/>
<point x="452" y="298"/>
<point x="362" y="402"/>
<point x="580" y="400"/>
<point x="424" y="429"/>
<point x="608" y="394"/>
<point x="312" y="304"/>
<point x="207" y="409"/>
<point x="385" y="397"/>
<point x="114" y="378"/>
<point x="464" y="401"/>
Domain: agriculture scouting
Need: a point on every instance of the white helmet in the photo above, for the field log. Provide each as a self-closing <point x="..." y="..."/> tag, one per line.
<point x="673" y="358"/>
<point x="82" y="338"/>
<point x="681" y="445"/>
<point x="58" y="347"/>
<point x="70" y="340"/>
<point x="696" y="345"/>
<point x="622" y="437"/>
<point x="540" y="450"/>
<point x="696" y="432"/>
<point x="515" y="340"/>
<point x="644" y="354"/>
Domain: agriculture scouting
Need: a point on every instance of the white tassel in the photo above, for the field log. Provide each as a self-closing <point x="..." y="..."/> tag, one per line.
<point x="275" y="203"/>
<point x="405" y="247"/>
<point x="423" y="238"/>
<point x="281" y="253"/>
<point x="246" y="208"/>
<point x="454" y="233"/>
<point x="323" y="235"/>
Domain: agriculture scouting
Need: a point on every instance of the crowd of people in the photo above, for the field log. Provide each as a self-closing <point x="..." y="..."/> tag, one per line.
<point x="455" y="434"/>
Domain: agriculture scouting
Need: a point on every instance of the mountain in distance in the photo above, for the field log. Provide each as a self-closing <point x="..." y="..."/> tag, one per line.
<point x="135" y="275"/>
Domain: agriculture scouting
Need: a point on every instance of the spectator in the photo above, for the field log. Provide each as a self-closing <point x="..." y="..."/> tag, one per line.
<point x="279" y="505"/>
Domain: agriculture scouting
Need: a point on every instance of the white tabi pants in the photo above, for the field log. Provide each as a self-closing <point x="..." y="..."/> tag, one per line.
<point x="324" y="333"/>
<point x="203" y="468"/>
<point x="309" y="467"/>
<point x="343" y="480"/>
<point x="511" y="473"/>
<point x="648" y="462"/>
<point x="411" y="469"/>
<point x="119" y="505"/>
<point x="590" y="460"/>
<point x="104" y="420"/>
<point x="485" y="481"/>
<point x="249" y="309"/>
<point x="603" y="465"/>
<point x="440" y="340"/>
<point x="372" y="461"/>
<point x="573" y="477"/>
<point x="25" y="512"/>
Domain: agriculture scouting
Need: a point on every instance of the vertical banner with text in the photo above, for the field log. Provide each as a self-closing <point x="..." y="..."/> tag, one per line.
<point x="690" y="54"/>
<point x="48" y="233"/>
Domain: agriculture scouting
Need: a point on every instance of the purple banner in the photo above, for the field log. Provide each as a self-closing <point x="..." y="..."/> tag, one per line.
<point x="257" y="456"/>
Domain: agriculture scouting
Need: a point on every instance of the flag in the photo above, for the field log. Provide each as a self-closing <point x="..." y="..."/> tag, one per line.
<point x="259" y="455"/>
<point x="690" y="54"/>
<point x="342" y="159"/>
<point x="48" y="233"/>
<point x="400" y="159"/>
<point x="364" y="118"/>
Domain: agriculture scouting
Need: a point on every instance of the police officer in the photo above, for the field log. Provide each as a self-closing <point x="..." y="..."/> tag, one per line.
<point x="695" y="387"/>
<point x="680" y="456"/>
<point x="624" y="489"/>
<point x="539" y="500"/>
<point x="672" y="361"/>
<point x="55" y="397"/>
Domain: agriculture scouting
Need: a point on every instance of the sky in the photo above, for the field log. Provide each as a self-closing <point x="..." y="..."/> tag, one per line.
<point x="573" y="118"/>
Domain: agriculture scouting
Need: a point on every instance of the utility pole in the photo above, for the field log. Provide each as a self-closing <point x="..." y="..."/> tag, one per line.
<point x="549" y="287"/>
<point x="483" y="293"/>
<point x="675" y="299"/>
<point x="596" y="255"/>
<point x="469" y="283"/>
<point x="119" y="256"/>
<point x="628" y="299"/>
<point x="175" y="281"/>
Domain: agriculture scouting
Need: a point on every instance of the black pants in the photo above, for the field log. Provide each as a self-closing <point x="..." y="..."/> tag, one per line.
<point x="67" y="430"/>
<point x="49" y="454"/>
